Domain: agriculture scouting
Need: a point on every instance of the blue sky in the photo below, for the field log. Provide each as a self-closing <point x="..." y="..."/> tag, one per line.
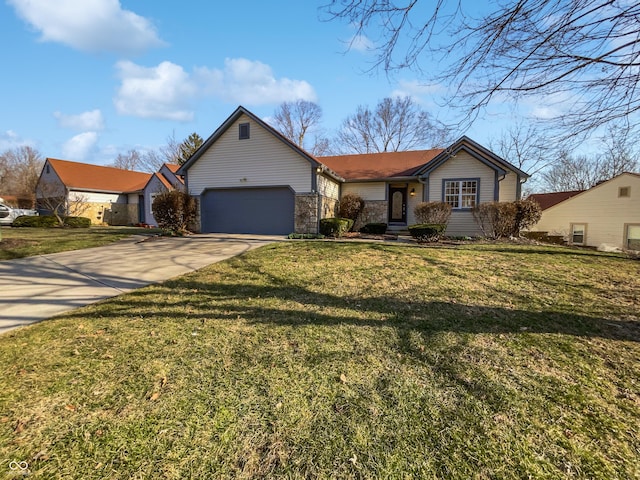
<point x="85" y="80"/>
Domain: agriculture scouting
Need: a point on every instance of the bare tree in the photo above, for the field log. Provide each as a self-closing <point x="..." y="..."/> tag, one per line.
<point x="152" y="160"/>
<point x="53" y="197"/>
<point x="586" y="53"/>
<point x="19" y="171"/>
<point x="620" y="154"/>
<point x="296" y="119"/>
<point x="579" y="172"/>
<point x="128" y="161"/>
<point x="523" y="146"/>
<point x="396" y="124"/>
<point x="569" y="173"/>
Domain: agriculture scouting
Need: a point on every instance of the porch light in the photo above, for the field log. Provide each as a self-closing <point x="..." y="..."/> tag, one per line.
<point x="319" y="169"/>
<point x="412" y="192"/>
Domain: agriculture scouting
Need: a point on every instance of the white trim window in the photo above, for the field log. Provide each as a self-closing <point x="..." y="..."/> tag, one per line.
<point x="152" y="197"/>
<point x="632" y="237"/>
<point x="578" y="233"/>
<point x="461" y="193"/>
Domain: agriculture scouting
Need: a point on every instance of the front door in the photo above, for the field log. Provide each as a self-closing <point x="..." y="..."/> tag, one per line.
<point x="397" y="204"/>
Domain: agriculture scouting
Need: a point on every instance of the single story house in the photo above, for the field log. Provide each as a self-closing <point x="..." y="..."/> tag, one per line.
<point x="248" y="178"/>
<point x="106" y="195"/>
<point x="164" y="180"/>
<point x="606" y="214"/>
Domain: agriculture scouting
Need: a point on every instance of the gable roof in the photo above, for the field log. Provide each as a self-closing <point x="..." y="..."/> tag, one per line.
<point x="587" y="191"/>
<point x="477" y="151"/>
<point x="547" y="200"/>
<point x="230" y="121"/>
<point x="371" y="166"/>
<point x="171" y="166"/>
<point x="84" y="176"/>
<point x="379" y="166"/>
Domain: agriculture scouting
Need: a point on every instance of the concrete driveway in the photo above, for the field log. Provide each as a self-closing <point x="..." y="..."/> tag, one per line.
<point x="37" y="288"/>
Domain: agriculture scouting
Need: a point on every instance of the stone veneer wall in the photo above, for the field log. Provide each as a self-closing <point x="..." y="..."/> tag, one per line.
<point x="306" y="213"/>
<point x="196" y="225"/>
<point x="328" y="207"/>
<point x="375" y="211"/>
<point x="121" y="214"/>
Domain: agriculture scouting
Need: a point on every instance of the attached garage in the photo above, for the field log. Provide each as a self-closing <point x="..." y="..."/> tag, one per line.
<point x="260" y="210"/>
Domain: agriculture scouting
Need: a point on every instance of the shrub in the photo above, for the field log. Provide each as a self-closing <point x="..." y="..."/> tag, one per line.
<point x="374" y="228"/>
<point x="427" y="232"/>
<point x="335" y="227"/>
<point x="506" y="219"/>
<point x="496" y="219"/>
<point x="77" y="222"/>
<point x="174" y="211"/>
<point x="528" y="214"/>
<point x="350" y="206"/>
<point x="432" y="212"/>
<point x="40" y="221"/>
<point x="305" y="236"/>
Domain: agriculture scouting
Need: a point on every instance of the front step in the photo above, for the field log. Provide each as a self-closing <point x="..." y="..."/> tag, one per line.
<point x="398" y="229"/>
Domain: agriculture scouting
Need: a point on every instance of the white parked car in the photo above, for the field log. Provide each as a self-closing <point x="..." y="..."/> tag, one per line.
<point x="9" y="214"/>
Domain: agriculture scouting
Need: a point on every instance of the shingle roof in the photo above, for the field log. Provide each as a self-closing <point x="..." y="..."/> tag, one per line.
<point x="172" y="166"/>
<point x="372" y="166"/>
<point x="547" y="200"/>
<point x="97" y="178"/>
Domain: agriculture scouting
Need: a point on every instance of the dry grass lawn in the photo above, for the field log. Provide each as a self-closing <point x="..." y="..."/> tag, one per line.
<point x="340" y="360"/>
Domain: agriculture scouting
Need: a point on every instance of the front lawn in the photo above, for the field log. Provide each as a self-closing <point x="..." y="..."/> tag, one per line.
<point x="340" y="360"/>
<point x="27" y="242"/>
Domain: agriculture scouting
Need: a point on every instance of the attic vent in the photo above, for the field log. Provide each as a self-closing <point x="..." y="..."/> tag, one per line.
<point x="624" y="192"/>
<point x="244" y="131"/>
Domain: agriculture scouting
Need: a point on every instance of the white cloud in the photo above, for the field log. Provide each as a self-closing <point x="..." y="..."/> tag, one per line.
<point x="163" y="92"/>
<point x="80" y="146"/>
<point x="91" y="120"/>
<point x="547" y="107"/>
<point x="416" y="90"/>
<point x="361" y="43"/>
<point x="10" y="140"/>
<point x="251" y="83"/>
<point x="167" y="91"/>
<point x="89" y="25"/>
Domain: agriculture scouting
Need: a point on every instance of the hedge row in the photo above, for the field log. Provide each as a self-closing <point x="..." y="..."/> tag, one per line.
<point x="50" y="221"/>
<point x="427" y="232"/>
<point x="335" y="227"/>
<point x="374" y="228"/>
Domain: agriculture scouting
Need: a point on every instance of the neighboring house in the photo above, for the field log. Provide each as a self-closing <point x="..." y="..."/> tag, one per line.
<point x="162" y="181"/>
<point x="546" y="200"/>
<point x="606" y="214"/>
<point x="106" y="195"/>
<point x="248" y="178"/>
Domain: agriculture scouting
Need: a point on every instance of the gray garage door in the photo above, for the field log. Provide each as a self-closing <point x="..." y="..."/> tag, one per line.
<point x="267" y="211"/>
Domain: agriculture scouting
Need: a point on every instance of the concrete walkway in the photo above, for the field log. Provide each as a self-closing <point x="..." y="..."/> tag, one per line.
<point x="37" y="288"/>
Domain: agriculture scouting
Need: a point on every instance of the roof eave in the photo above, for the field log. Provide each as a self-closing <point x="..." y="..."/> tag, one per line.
<point x="383" y="179"/>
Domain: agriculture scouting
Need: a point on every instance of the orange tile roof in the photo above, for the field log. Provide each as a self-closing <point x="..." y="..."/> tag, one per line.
<point x="172" y="166"/>
<point x="547" y="200"/>
<point x="372" y="166"/>
<point x="97" y="178"/>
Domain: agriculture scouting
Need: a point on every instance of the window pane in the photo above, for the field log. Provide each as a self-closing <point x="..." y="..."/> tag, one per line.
<point x="577" y="233"/>
<point x="469" y="190"/>
<point x="452" y="193"/>
<point x="633" y="237"/>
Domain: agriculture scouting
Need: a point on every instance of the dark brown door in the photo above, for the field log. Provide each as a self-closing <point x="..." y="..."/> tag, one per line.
<point x="397" y="204"/>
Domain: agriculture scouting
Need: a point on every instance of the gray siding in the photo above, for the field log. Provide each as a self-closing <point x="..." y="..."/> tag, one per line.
<point x="261" y="160"/>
